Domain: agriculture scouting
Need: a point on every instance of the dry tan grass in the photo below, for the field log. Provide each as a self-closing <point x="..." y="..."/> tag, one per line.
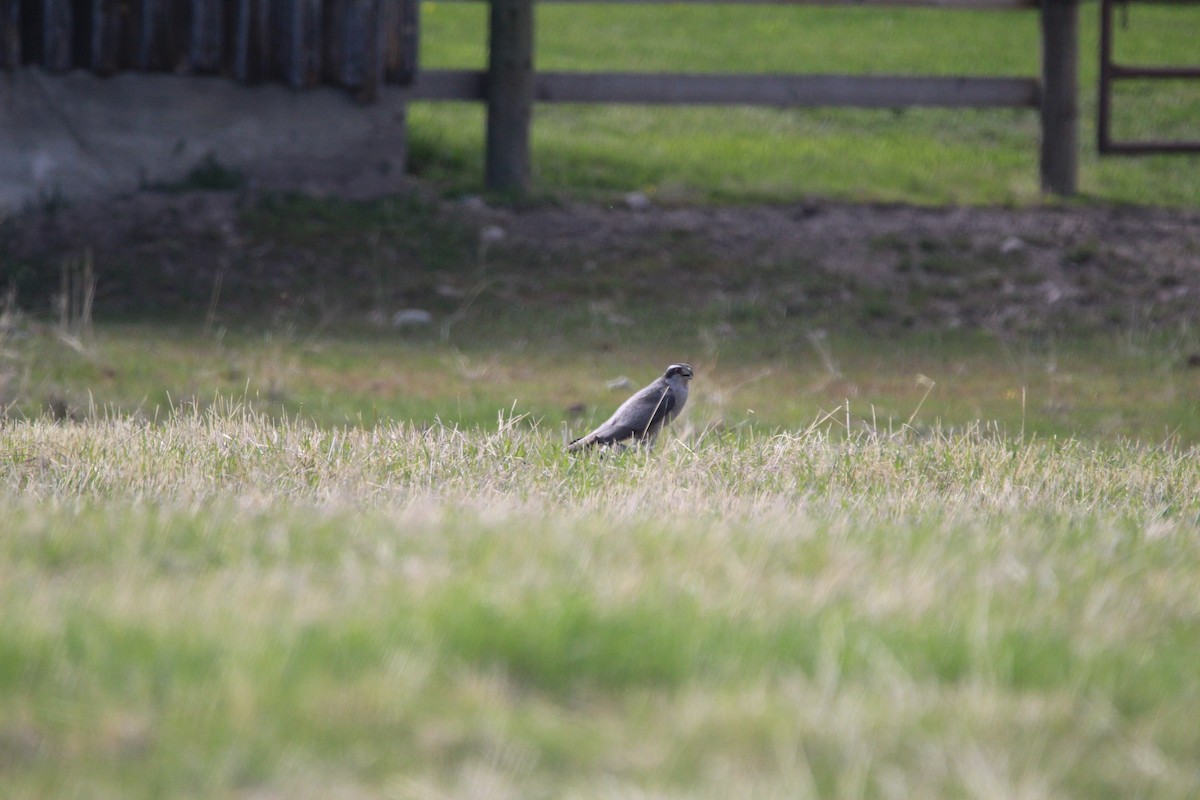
<point x="219" y="604"/>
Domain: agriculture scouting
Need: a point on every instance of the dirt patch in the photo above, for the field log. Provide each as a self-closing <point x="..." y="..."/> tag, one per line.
<point x="895" y="264"/>
<point x="886" y="266"/>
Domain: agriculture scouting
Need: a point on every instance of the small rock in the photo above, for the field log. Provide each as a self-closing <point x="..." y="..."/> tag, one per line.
<point x="622" y="382"/>
<point x="411" y="318"/>
<point x="637" y="201"/>
<point x="1051" y="292"/>
<point x="1011" y="245"/>
<point x="491" y="234"/>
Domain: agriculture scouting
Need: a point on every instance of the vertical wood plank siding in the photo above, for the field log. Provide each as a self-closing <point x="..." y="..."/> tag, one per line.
<point x="10" y="33"/>
<point x="311" y="42"/>
<point x="206" y="36"/>
<point x="298" y="53"/>
<point x="251" y="50"/>
<point x="357" y="44"/>
<point x="58" y="25"/>
<point x="107" y="27"/>
<point x="400" y="41"/>
<point x="353" y="43"/>
<point x="156" y="50"/>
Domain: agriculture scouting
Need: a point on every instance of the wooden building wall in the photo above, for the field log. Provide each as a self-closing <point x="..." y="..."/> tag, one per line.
<point x="357" y="44"/>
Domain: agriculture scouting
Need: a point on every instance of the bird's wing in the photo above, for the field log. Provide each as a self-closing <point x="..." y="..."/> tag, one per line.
<point x="661" y="405"/>
<point x="643" y="412"/>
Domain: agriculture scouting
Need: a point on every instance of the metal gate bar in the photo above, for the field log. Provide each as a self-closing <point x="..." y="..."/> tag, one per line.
<point x="1110" y="72"/>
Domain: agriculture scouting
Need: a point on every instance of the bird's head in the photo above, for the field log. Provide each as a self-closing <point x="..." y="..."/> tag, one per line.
<point x="683" y="371"/>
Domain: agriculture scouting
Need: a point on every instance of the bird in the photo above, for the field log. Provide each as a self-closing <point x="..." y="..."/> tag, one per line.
<point x="643" y="415"/>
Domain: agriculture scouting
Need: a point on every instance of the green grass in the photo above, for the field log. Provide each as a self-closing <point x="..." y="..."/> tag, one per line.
<point x="220" y="604"/>
<point x="1101" y="388"/>
<point x="746" y="154"/>
<point x="260" y="558"/>
<point x="378" y="574"/>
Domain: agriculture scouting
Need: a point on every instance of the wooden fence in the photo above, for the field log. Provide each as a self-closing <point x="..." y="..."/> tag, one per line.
<point x="357" y="44"/>
<point x="1110" y="73"/>
<point x="510" y="86"/>
<point x="360" y="44"/>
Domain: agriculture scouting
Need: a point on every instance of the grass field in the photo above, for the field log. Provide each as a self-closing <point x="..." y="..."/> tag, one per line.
<point x="740" y="154"/>
<point x="977" y="583"/>
<point x="223" y="605"/>
<point x="277" y="550"/>
<point x="1104" y="388"/>
<point x="271" y="561"/>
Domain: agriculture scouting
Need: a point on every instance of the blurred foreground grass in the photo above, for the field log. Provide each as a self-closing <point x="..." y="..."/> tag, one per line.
<point x="221" y="604"/>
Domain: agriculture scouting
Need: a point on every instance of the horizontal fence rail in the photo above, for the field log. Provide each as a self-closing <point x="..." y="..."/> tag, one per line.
<point x="510" y="85"/>
<point x="784" y="91"/>
<point x="361" y="44"/>
<point x="352" y="43"/>
<point x="947" y="4"/>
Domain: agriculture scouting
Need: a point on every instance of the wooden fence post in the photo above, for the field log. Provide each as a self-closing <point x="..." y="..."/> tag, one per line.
<point x="509" y="96"/>
<point x="1060" y="96"/>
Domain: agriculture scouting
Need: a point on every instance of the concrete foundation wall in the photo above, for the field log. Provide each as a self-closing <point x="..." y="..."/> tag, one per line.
<point x="80" y="137"/>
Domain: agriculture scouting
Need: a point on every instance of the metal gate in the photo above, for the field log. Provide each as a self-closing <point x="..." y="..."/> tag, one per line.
<point x="1111" y="72"/>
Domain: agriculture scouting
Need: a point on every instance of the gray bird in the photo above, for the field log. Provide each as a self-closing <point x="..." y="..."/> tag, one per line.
<point x="642" y="416"/>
